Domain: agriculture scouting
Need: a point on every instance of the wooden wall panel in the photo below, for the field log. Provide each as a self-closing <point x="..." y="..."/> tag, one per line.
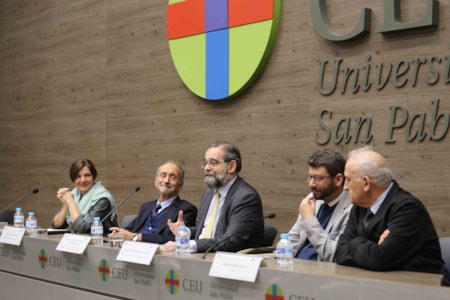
<point x="52" y="97"/>
<point x="95" y="79"/>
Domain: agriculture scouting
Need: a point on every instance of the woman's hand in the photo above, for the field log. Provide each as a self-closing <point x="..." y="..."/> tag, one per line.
<point x="64" y="195"/>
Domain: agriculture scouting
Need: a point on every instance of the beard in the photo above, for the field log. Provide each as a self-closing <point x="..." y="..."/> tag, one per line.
<point x="212" y="180"/>
<point x="167" y="191"/>
<point x="323" y="193"/>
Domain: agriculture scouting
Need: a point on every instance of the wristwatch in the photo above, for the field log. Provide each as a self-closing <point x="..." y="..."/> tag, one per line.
<point x="134" y="238"/>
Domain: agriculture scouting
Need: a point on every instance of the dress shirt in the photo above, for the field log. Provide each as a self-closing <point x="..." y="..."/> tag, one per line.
<point x="223" y="190"/>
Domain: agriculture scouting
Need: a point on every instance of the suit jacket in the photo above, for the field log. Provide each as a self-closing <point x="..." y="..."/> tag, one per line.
<point x="323" y="240"/>
<point x="163" y="233"/>
<point x="412" y="244"/>
<point x="241" y="222"/>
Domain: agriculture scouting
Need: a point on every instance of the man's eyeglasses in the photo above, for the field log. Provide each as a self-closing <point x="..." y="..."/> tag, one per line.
<point x="212" y="163"/>
<point x="316" y="178"/>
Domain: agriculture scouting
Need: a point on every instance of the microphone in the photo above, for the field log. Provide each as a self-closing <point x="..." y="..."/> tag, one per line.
<point x="35" y="191"/>
<point x="218" y="244"/>
<point x="113" y="211"/>
<point x="270" y="216"/>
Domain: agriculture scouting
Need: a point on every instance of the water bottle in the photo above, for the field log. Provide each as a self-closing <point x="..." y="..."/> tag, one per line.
<point x="19" y="218"/>
<point x="97" y="232"/>
<point x="31" y="224"/>
<point x="182" y="241"/>
<point x="285" y="251"/>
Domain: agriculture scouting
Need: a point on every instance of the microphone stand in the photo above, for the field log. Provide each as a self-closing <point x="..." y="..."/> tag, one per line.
<point x="270" y="216"/>
<point x="112" y="212"/>
<point x="217" y="244"/>
<point x="35" y="191"/>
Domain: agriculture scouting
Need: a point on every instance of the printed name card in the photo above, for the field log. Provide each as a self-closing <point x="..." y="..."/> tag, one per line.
<point x="235" y="266"/>
<point x="73" y="243"/>
<point x="12" y="235"/>
<point x="137" y="252"/>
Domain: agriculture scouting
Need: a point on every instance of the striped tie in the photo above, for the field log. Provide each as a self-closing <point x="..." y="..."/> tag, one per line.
<point x="207" y="234"/>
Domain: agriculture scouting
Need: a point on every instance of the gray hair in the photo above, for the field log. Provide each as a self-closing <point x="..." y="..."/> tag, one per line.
<point x="380" y="174"/>
<point x="180" y="167"/>
<point x="230" y="152"/>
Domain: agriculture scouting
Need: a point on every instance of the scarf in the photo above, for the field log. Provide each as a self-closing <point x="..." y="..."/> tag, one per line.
<point x="87" y="201"/>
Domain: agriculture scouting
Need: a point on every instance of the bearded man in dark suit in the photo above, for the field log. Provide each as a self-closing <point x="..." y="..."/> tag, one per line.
<point x="231" y="215"/>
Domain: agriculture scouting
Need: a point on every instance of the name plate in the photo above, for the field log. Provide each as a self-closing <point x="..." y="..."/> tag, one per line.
<point x="73" y="243"/>
<point x="235" y="266"/>
<point x="137" y="252"/>
<point x="12" y="235"/>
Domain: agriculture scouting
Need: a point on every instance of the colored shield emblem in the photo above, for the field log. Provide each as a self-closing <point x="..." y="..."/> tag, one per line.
<point x="219" y="47"/>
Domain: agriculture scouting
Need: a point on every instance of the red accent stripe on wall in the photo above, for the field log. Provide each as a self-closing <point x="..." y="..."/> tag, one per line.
<point x="185" y="18"/>
<point x="241" y="12"/>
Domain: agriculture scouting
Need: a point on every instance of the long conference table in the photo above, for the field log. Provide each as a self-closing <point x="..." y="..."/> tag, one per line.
<point x="36" y="270"/>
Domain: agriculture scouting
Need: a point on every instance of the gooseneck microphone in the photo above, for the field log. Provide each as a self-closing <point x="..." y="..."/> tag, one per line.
<point x="113" y="211"/>
<point x="270" y="216"/>
<point x="35" y="191"/>
<point x="218" y="244"/>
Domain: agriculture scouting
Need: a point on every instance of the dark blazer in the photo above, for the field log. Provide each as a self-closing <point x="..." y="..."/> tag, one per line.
<point x="241" y="220"/>
<point x="163" y="234"/>
<point x="412" y="244"/>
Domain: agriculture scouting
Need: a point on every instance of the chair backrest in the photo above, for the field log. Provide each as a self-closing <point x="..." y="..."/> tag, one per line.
<point x="269" y="235"/>
<point x="7" y="216"/>
<point x="445" y="248"/>
<point x="127" y="220"/>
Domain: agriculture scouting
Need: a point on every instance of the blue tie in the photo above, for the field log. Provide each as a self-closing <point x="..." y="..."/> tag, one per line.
<point x="155" y="210"/>
<point x="323" y="216"/>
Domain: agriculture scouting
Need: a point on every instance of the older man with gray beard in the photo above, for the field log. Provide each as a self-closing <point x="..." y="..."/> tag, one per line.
<point x="231" y="215"/>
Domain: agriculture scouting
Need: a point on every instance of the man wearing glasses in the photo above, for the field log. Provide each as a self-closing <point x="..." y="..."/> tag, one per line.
<point x="231" y="215"/>
<point x="324" y="212"/>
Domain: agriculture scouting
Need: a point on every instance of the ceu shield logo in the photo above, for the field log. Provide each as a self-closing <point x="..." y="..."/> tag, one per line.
<point x="43" y="260"/>
<point x="172" y="282"/>
<point x="103" y="270"/>
<point x="273" y="292"/>
<point x="219" y="47"/>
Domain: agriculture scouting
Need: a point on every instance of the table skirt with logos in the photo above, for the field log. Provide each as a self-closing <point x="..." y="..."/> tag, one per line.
<point x="36" y="269"/>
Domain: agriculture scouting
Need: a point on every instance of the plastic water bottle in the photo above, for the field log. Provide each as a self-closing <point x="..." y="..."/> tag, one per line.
<point x="285" y="253"/>
<point x="31" y="224"/>
<point x="182" y="241"/>
<point x="97" y="232"/>
<point x="19" y="218"/>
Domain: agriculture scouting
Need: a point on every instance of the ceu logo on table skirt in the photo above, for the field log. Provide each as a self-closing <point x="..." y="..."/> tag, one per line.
<point x="42" y="257"/>
<point x="273" y="292"/>
<point x="103" y="270"/>
<point x="172" y="282"/>
<point x="219" y="47"/>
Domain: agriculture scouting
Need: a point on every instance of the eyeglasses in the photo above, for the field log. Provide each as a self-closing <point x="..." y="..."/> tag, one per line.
<point x="212" y="163"/>
<point x="316" y="178"/>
